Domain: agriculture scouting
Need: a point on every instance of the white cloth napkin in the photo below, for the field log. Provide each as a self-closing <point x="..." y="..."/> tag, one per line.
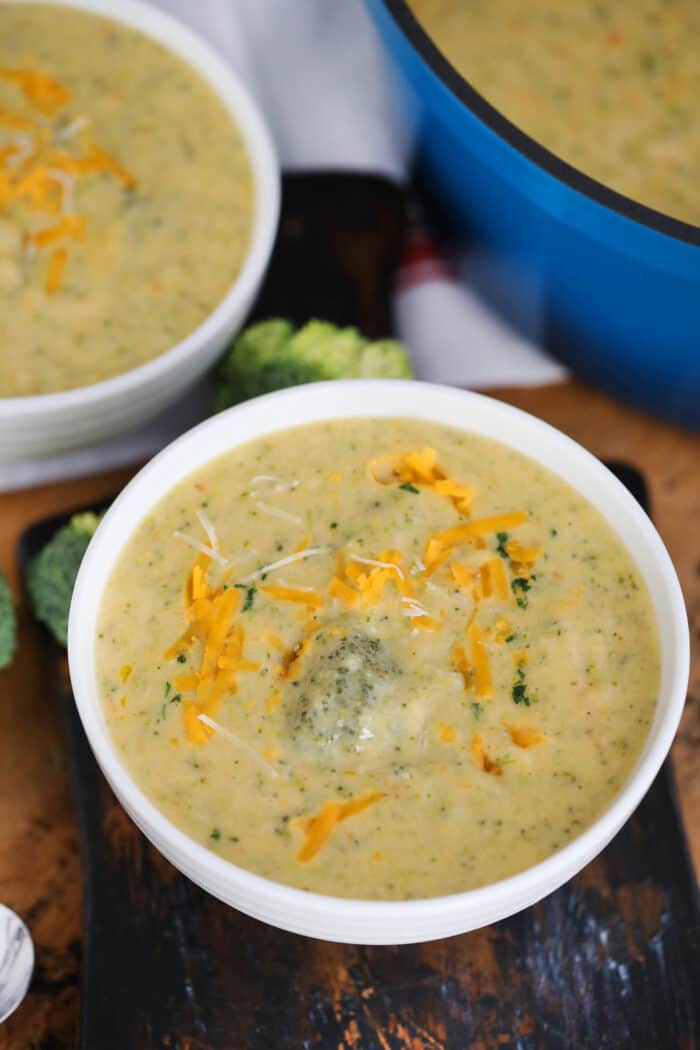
<point x="318" y="72"/>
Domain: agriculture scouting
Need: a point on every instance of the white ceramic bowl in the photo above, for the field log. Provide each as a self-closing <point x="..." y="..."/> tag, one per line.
<point x="48" y="423"/>
<point x="378" y="922"/>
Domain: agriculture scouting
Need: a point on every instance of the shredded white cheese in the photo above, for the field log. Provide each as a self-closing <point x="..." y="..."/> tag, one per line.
<point x="25" y="147"/>
<point x="299" y="556"/>
<point x="67" y="184"/>
<point x="201" y="547"/>
<point x="275" y="512"/>
<point x="209" y="529"/>
<point x="378" y="564"/>
<point x="69" y="131"/>
<point x="413" y="608"/>
<point x="278" y="484"/>
<point x="250" y="751"/>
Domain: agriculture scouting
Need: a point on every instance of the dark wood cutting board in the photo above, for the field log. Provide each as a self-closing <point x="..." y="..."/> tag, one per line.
<point x="611" y="960"/>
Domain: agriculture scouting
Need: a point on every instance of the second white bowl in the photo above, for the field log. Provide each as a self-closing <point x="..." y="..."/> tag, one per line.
<point x="45" y="424"/>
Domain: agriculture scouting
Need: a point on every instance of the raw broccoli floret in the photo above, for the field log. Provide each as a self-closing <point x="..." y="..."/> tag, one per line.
<point x="272" y="355"/>
<point x="51" y="574"/>
<point x="8" y="624"/>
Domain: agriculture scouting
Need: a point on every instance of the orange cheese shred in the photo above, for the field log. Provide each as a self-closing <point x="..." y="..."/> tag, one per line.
<point x="499" y="579"/>
<point x="180" y="644"/>
<point x="480" y="661"/>
<point x="482" y="759"/>
<point x="441" y="543"/>
<point x="55" y="271"/>
<point x="273" y="639"/>
<point x="522" y="736"/>
<point x="318" y="829"/>
<point x="294" y="594"/>
<point x="447" y="733"/>
<point x="461" y="663"/>
<point x="463" y="576"/>
<point x="522" y="555"/>
<point x="94" y="162"/>
<point x="337" y="588"/>
<point x="290" y="667"/>
<point x="186" y="683"/>
<point x="273" y="701"/>
<point x="69" y="226"/>
<point x="45" y="93"/>
<point x="195" y="731"/>
<point x="421" y="469"/>
<point x="8" y="119"/>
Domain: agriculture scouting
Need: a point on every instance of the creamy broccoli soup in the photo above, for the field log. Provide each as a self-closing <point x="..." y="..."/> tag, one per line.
<point x="610" y="87"/>
<point x="378" y="659"/>
<point x="125" y="199"/>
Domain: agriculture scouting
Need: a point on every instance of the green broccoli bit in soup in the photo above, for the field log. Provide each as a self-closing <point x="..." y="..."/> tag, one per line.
<point x="346" y="679"/>
<point x="8" y="625"/>
<point x="52" y="573"/>
<point x="272" y="355"/>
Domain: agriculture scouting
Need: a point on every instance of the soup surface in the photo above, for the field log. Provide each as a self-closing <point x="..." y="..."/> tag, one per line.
<point x="377" y="659"/>
<point x="610" y="87"/>
<point x="125" y="199"/>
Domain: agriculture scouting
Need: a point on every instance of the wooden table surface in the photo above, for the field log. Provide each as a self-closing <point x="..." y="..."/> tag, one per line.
<point x="39" y="864"/>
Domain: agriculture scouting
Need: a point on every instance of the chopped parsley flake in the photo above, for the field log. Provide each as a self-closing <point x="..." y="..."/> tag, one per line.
<point x="250" y="593"/>
<point x="408" y="487"/>
<point x="519" y="689"/>
<point x="522" y="584"/>
<point x="502" y="538"/>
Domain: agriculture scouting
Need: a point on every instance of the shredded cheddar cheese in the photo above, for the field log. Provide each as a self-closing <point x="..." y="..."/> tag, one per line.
<point x="482" y="759"/>
<point x="439" y="546"/>
<point x="447" y="733"/>
<point x="273" y="701"/>
<point x="461" y="663"/>
<point x="317" y="829"/>
<point x="480" y="661"/>
<point x="294" y="594"/>
<point x="522" y="736"/>
<point x="55" y="271"/>
<point x="420" y="469"/>
<point x="45" y="93"/>
<point x="70" y="226"/>
<point x="365" y="578"/>
<point x="38" y="173"/>
<point x="522" y="555"/>
<point x="290" y="665"/>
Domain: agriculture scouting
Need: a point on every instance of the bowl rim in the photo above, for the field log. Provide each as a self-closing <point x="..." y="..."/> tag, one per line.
<point x="467" y="95"/>
<point x="384" y="399"/>
<point x="186" y="44"/>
